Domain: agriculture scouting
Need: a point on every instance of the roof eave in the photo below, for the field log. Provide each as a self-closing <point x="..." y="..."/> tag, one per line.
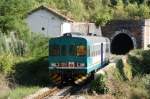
<point x="52" y="11"/>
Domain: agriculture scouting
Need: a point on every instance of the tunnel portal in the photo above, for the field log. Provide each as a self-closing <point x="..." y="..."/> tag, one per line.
<point x="121" y="44"/>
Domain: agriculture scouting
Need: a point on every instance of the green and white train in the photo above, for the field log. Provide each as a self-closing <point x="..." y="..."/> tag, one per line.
<point x="74" y="56"/>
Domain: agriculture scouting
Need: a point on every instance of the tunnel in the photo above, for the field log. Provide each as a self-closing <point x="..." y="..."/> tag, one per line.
<point x="121" y="44"/>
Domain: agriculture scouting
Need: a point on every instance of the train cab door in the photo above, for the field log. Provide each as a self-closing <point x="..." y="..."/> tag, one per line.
<point x="102" y="54"/>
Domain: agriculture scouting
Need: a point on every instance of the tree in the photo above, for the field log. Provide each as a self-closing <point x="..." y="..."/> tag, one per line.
<point x="12" y="13"/>
<point x="101" y="13"/>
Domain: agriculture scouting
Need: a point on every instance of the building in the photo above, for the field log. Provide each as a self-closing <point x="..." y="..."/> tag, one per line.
<point x="49" y="22"/>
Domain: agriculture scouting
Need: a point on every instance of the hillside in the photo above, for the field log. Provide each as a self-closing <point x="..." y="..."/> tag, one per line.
<point x="100" y="11"/>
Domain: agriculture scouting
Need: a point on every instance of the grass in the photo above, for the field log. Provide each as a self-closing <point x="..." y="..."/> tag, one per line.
<point x="21" y="92"/>
<point x="16" y="93"/>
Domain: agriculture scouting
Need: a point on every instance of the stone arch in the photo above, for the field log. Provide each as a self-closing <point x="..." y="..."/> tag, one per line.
<point x="122" y="42"/>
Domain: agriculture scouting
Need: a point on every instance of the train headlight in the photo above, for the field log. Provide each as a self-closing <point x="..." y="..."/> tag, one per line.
<point x="63" y="65"/>
<point x="71" y="64"/>
<point x="80" y="64"/>
<point x="53" y="64"/>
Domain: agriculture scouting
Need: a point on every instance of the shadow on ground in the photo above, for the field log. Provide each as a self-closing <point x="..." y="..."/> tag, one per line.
<point x="32" y="72"/>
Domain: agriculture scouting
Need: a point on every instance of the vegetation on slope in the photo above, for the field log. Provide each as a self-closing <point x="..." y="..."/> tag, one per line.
<point x="130" y="79"/>
<point x="100" y="11"/>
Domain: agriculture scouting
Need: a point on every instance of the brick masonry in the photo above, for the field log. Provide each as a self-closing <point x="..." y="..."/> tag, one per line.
<point x="138" y="30"/>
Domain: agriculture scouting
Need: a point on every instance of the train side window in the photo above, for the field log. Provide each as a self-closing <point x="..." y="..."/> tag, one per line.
<point x="91" y="51"/>
<point x="54" y="50"/>
<point x="107" y="47"/>
<point x="97" y="52"/>
<point x="88" y="50"/>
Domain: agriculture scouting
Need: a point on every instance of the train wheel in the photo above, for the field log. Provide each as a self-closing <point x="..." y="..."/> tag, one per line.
<point x="55" y="78"/>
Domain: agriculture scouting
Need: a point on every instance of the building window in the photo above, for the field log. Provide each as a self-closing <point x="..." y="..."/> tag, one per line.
<point x="53" y="18"/>
<point x="43" y="28"/>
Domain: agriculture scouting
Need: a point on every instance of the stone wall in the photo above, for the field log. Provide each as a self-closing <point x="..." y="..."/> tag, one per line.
<point x="136" y="29"/>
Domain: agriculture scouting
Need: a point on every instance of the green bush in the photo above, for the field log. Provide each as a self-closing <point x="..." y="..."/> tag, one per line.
<point x="6" y="63"/>
<point x="140" y="61"/>
<point x="99" y="86"/>
<point x="120" y="70"/>
<point x="139" y="87"/>
<point x="38" y="46"/>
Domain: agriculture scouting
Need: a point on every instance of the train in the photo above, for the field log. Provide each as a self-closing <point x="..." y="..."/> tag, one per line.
<point x="73" y="56"/>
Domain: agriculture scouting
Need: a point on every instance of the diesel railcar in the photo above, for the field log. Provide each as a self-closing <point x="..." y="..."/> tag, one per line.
<point x="72" y="56"/>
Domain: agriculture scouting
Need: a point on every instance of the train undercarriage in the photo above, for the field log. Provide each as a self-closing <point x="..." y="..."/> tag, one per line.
<point x="70" y="78"/>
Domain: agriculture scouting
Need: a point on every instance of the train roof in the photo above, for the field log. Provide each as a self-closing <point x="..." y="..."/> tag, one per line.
<point x="94" y="39"/>
<point x="80" y="37"/>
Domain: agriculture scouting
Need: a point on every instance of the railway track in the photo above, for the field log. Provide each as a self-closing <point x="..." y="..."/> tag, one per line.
<point x="61" y="92"/>
<point x="50" y="92"/>
<point x="43" y="93"/>
<point x="56" y="92"/>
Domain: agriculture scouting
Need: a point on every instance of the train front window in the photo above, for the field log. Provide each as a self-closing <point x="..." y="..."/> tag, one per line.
<point x="54" y="50"/>
<point x="81" y="50"/>
<point x="63" y="50"/>
<point x="72" y="50"/>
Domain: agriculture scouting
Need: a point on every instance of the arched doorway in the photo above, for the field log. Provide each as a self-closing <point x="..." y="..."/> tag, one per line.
<point x="121" y="44"/>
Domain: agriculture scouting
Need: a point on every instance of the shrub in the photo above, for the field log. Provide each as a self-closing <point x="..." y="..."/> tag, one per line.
<point x="146" y="80"/>
<point x="138" y="93"/>
<point x="38" y="46"/>
<point x="140" y="61"/>
<point x="120" y="70"/>
<point x="6" y="63"/>
<point x="139" y="87"/>
<point x="99" y="86"/>
<point x="12" y="44"/>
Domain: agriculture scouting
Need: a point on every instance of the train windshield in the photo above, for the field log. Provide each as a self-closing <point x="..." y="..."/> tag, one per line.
<point x="67" y="50"/>
<point x="54" y="50"/>
<point x="81" y="50"/>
